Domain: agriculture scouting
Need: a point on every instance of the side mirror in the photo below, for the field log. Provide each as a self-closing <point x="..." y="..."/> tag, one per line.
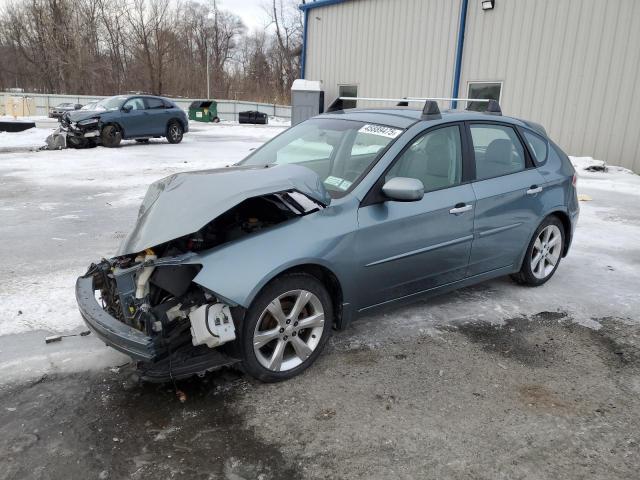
<point x="127" y="108"/>
<point x="404" y="189"/>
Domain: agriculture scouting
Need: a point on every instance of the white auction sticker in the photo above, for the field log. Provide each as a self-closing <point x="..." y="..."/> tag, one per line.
<point x="335" y="181"/>
<point x="380" y="130"/>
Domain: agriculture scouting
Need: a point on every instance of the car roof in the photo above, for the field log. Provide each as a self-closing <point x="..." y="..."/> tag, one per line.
<point x="405" y="117"/>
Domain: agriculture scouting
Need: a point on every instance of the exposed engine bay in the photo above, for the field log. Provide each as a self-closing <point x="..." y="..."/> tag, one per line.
<point x="153" y="291"/>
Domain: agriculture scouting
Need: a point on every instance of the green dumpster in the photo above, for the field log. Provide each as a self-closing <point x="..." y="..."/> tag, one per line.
<point x="204" y="111"/>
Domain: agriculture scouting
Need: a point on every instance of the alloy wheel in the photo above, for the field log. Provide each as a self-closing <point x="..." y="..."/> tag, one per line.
<point x="546" y="252"/>
<point x="174" y="132"/>
<point x="289" y="330"/>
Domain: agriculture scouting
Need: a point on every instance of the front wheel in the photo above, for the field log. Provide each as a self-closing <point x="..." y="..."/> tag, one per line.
<point x="543" y="254"/>
<point x="111" y="136"/>
<point x="286" y="327"/>
<point x="174" y="132"/>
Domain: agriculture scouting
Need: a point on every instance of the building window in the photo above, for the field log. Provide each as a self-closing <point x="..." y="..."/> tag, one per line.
<point x="485" y="90"/>
<point x="348" y="91"/>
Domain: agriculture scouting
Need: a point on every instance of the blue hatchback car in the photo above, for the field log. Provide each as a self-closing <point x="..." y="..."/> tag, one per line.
<point x="113" y="119"/>
<point x="344" y="213"/>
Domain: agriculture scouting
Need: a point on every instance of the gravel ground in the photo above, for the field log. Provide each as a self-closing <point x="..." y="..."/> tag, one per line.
<point x="536" y="397"/>
<point x="494" y="381"/>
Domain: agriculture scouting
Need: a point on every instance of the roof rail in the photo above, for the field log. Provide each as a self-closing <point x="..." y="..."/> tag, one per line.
<point x="430" y="106"/>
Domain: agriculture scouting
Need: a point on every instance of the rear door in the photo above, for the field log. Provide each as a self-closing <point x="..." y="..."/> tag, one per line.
<point x="508" y="190"/>
<point x="409" y="247"/>
<point x="157" y="116"/>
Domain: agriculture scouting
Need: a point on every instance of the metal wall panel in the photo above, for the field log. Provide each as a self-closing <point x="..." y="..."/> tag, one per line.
<point x="388" y="48"/>
<point x="571" y="65"/>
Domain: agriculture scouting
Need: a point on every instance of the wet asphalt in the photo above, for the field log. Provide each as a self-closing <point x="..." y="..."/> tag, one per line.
<point x="536" y="397"/>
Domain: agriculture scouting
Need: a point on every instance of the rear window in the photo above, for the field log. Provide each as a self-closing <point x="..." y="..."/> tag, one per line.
<point x="537" y="145"/>
<point x="154" y="103"/>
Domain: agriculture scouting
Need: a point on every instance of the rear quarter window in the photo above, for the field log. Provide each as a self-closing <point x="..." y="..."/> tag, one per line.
<point x="538" y="146"/>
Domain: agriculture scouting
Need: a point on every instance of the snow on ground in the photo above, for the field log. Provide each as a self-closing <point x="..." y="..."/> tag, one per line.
<point x="32" y="139"/>
<point x="137" y="165"/>
<point x="53" y="206"/>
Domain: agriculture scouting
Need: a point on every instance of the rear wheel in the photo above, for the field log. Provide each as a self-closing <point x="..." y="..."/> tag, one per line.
<point x="111" y="136"/>
<point x="174" y="132"/>
<point x="286" y="327"/>
<point x="543" y="254"/>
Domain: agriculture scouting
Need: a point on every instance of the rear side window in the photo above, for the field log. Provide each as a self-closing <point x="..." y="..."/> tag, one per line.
<point x="154" y="103"/>
<point x="537" y="145"/>
<point x="497" y="149"/>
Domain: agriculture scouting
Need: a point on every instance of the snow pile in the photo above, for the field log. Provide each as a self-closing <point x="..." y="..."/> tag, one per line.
<point x="612" y="178"/>
<point x="33" y="138"/>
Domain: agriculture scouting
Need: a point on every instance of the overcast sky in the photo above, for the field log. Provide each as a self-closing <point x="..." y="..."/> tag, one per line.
<point x="251" y="11"/>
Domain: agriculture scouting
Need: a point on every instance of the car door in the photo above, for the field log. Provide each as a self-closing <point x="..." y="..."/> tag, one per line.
<point x="409" y="247"/>
<point x="157" y="117"/>
<point x="133" y="120"/>
<point x="508" y="191"/>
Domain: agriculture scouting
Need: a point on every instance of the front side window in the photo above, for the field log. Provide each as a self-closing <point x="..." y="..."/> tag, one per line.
<point x="537" y="146"/>
<point x="485" y="90"/>
<point x="135" y="104"/>
<point x="434" y="158"/>
<point x="339" y="151"/>
<point x="111" y="103"/>
<point x="348" y="91"/>
<point x="497" y="150"/>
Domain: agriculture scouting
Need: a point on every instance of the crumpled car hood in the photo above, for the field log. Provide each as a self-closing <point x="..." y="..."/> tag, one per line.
<point x="184" y="203"/>
<point x="77" y="115"/>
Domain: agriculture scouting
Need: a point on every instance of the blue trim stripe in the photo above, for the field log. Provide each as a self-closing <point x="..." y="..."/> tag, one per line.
<point x="319" y="3"/>
<point x="459" y="50"/>
<point x="303" y="56"/>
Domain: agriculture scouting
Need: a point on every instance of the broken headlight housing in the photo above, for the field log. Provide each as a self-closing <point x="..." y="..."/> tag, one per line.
<point x="88" y="122"/>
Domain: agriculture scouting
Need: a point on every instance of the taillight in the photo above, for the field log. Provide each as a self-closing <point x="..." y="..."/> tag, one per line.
<point x="574" y="180"/>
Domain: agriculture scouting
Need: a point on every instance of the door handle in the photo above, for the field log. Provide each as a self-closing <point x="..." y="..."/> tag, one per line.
<point x="460" y="208"/>
<point x="533" y="189"/>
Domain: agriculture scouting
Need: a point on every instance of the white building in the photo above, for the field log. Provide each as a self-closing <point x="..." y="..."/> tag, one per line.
<point x="571" y="65"/>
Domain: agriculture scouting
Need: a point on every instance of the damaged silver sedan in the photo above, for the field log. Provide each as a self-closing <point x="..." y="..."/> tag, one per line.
<point x="255" y="263"/>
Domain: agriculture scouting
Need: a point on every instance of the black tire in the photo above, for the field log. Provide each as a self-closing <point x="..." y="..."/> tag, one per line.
<point x="80" y="142"/>
<point x="111" y="136"/>
<point x="174" y="132"/>
<point x="142" y="140"/>
<point x="216" y="120"/>
<point x="76" y="142"/>
<point x="526" y="275"/>
<point x="276" y="288"/>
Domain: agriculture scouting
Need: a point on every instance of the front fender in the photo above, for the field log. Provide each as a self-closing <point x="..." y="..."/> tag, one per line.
<point x="237" y="271"/>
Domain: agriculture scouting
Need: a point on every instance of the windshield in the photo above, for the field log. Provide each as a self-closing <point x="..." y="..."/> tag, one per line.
<point x="111" y="103"/>
<point x="339" y="151"/>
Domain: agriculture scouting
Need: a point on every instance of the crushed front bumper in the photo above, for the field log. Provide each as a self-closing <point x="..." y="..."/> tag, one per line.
<point x="112" y="331"/>
<point x="155" y="362"/>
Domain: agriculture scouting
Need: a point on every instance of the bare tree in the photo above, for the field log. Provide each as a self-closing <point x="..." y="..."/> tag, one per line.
<point x="161" y="46"/>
